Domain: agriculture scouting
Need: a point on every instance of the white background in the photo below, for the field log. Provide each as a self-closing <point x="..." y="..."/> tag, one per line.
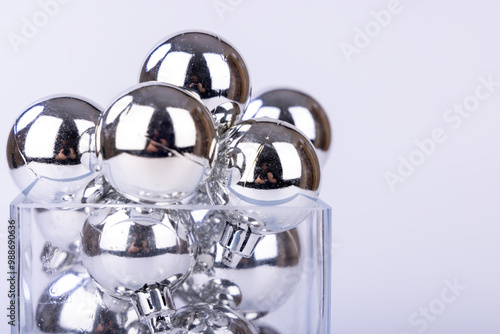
<point x="395" y="249"/>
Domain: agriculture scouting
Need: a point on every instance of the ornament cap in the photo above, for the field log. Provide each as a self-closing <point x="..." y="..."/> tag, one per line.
<point x="154" y="304"/>
<point x="239" y="242"/>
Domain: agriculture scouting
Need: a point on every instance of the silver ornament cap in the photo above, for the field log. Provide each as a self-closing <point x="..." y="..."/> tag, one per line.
<point x="71" y="303"/>
<point x="239" y="241"/>
<point x="154" y="304"/>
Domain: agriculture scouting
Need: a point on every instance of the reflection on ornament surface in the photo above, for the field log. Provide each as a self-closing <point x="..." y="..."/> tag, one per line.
<point x="206" y="65"/>
<point x="50" y="150"/>
<point x="271" y="168"/>
<point x="124" y="249"/>
<point x="257" y="285"/>
<point x="296" y="108"/>
<point x="155" y="143"/>
<point x="72" y="304"/>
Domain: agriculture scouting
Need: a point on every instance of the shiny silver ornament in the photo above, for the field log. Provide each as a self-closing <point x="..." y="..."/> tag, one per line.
<point x="140" y="255"/>
<point x="72" y="304"/>
<point x="272" y="169"/>
<point x="208" y="66"/>
<point x="257" y="286"/>
<point x="130" y="249"/>
<point x="155" y="143"/>
<point x="296" y="108"/>
<point x="209" y="319"/>
<point x="50" y="150"/>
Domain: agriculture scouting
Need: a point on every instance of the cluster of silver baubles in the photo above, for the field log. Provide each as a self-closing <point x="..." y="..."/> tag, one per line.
<point x="188" y="135"/>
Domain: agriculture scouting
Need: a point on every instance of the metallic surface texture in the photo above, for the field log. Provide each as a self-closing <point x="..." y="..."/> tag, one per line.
<point x="72" y="304"/>
<point x="266" y="165"/>
<point x="208" y="66"/>
<point x="50" y="149"/>
<point x="155" y="143"/>
<point x="124" y="249"/>
<point x="257" y="285"/>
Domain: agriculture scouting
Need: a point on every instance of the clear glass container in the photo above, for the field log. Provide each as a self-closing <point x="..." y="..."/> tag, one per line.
<point x="56" y="295"/>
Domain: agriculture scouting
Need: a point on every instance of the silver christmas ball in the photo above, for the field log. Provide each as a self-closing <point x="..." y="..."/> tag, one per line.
<point x="265" y="163"/>
<point x="50" y="150"/>
<point x="155" y="143"/>
<point x="207" y="65"/>
<point x="126" y="248"/>
<point x="209" y="319"/>
<point x="296" y="108"/>
<point x="272" y="169"/>
<point x="72" y="304"/>
<point x="257" y="286"/>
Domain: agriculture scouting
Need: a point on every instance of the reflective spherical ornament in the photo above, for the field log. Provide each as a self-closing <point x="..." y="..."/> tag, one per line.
<point x="72" y="304"/>
<point x="127" y="248"/>
<point x="265" y="163"/>
<point x="296" y="108"/>
<point x="208" y="66"/>
<point x="50" y="150"/>
<point x="139" y="254"/>
<point x="272" y="169"/>
<point x="209" y="319"/>
<point x="258" y="285"/>
<point x="155" y="143"/>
